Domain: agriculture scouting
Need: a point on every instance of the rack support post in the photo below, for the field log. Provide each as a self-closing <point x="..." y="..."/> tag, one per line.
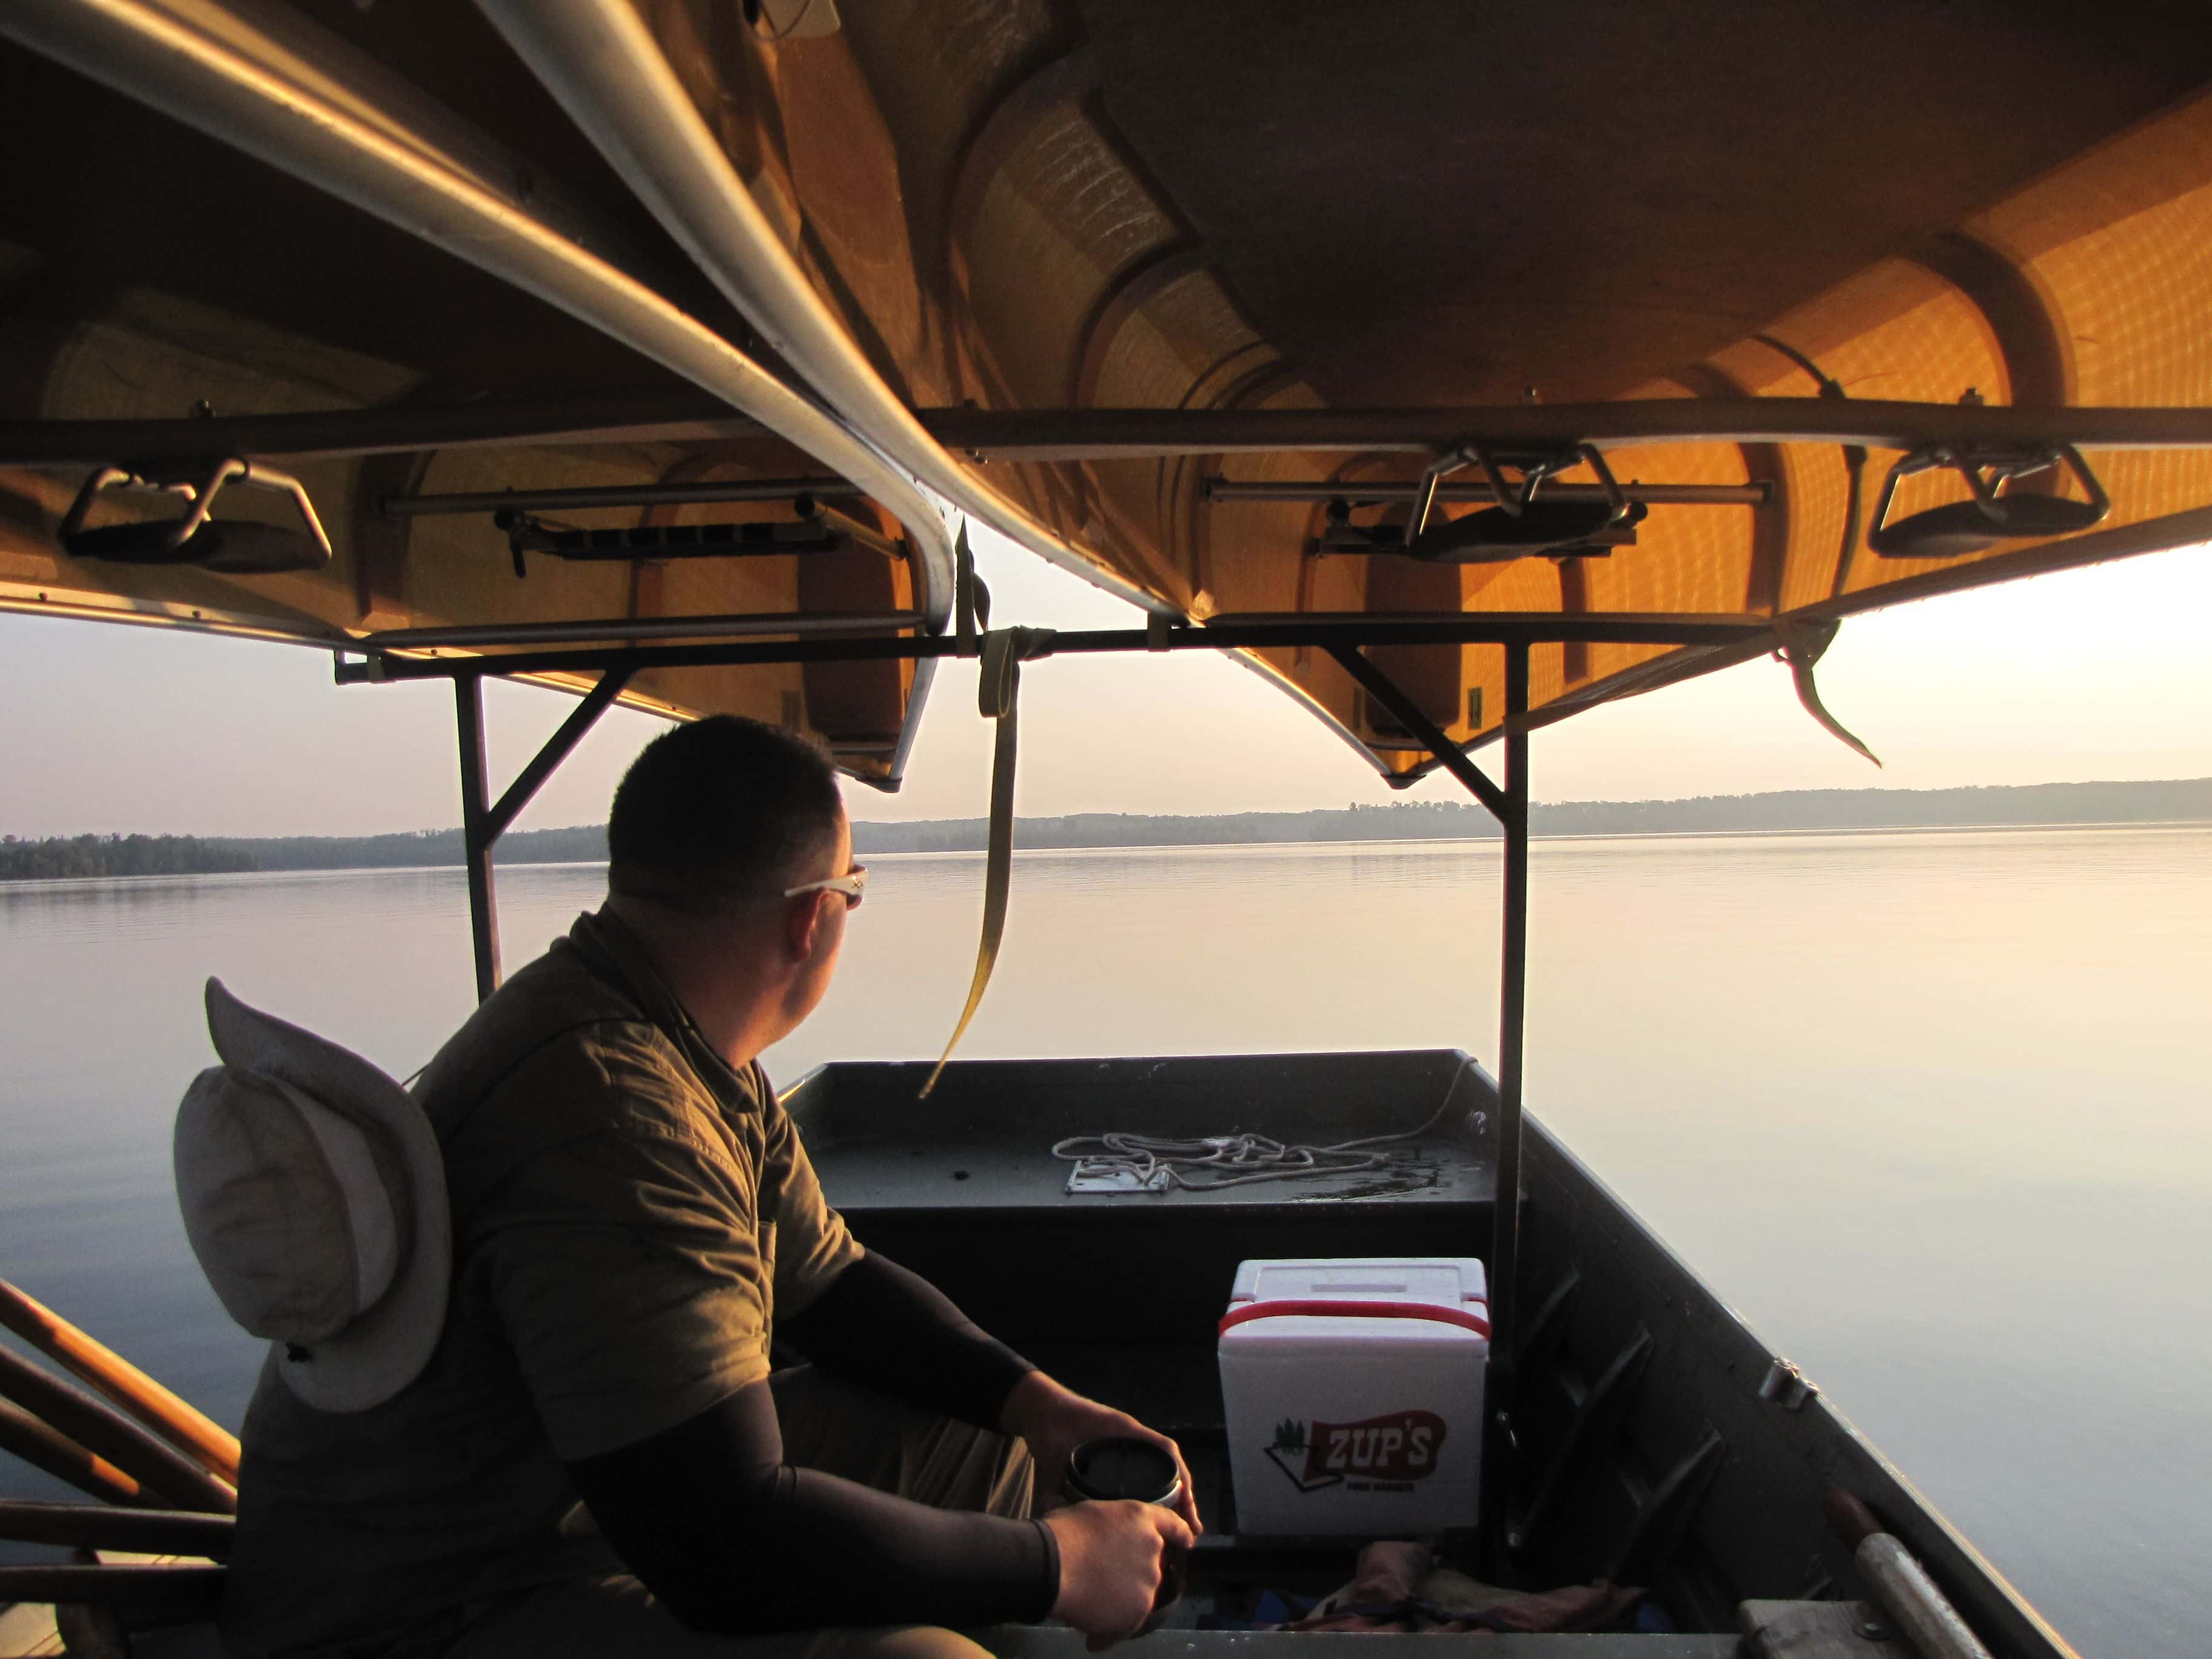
<point x="1500" y="1473"/>
<point x="483" y="824"/>
<point x="477" y="833"/>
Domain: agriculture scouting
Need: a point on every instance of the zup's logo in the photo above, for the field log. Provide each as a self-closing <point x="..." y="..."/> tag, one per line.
<point x="1392" y="1450"/>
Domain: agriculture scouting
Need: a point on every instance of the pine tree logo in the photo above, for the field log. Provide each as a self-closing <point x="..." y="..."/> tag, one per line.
<point x="1288" y="1451"/>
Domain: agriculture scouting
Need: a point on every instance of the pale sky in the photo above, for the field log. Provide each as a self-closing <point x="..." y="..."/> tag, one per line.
<point x="2097" y="674"/>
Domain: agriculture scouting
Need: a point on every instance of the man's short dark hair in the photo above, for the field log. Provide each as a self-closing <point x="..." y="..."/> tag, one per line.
<point x="722" y="811"/>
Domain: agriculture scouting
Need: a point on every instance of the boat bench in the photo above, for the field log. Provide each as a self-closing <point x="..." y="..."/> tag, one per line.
<point x="963" y="1186"/>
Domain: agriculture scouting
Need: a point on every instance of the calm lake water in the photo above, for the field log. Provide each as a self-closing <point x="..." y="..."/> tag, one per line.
<point x="1930" y="1108"/>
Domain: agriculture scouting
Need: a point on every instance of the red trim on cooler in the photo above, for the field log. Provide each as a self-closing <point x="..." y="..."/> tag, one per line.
<point x="1477" y="1323"/>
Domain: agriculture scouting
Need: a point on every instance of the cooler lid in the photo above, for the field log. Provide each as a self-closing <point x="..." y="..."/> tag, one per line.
<point x="1441" y="1281"/>
<point x="1392" y="1301"/>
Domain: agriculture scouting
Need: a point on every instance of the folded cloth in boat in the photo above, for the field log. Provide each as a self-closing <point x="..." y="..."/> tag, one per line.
<point x="1398" y="1588"/>
<point x="314" y="1197"/>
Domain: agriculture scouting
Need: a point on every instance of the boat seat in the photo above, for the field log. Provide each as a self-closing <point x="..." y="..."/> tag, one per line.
<point x="1051" y="1642"/>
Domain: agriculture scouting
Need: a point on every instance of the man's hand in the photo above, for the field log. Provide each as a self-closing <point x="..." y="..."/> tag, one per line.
<point x="1055" y="1420"/>
<point x="1111" y="1557"/>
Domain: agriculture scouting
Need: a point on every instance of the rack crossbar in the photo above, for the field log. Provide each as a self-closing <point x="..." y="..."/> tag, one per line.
<point x="1756" y="494"/>
<point x="614" y="495"/>
<point x="741" y="625"/>
<point x="1497" y="627"/>
<point x="1059" y="434"/>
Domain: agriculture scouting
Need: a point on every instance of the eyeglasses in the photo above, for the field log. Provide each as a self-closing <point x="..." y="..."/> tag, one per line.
<point x="853" y="884"/>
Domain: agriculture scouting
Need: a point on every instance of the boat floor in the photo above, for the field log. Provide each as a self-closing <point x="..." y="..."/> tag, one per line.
<point x="28" y="1633"/>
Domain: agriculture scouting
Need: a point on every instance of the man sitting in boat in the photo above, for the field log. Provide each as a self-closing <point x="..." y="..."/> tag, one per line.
<point x="632" y="1218"/>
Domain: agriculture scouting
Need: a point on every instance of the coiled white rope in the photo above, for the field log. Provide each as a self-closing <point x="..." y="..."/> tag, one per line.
<point x="1158" y="1163"/>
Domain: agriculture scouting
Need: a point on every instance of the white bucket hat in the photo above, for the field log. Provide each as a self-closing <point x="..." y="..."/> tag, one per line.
<point x="314" y="1197"/>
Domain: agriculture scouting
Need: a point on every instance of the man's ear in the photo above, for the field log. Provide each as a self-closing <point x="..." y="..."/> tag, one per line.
<point x="802" y="926"/>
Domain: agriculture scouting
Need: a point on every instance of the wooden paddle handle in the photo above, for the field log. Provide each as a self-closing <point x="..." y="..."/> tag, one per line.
<point x="181" y="1593"/>
<point x="101" y="1527"/>
<point x="162" y="1472"/>
<point x="45" y="1448"/>
<point x="214" y="1448"/>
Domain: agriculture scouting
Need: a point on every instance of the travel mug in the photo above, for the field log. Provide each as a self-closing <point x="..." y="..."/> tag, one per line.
<point x="1124" y="1467"/>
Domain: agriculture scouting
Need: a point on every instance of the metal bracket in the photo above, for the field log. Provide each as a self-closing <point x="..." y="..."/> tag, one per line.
<point x="1112" y="1176"/>
<point x="528" y="534"/>
<point x="1419" y="728"/>
<point x="1425" y="494"/>
<point x="1959" y="528"/>
<point x="1536" y="468"/>
<point x="1522" y="527"/>
<point x="237" y="548"/>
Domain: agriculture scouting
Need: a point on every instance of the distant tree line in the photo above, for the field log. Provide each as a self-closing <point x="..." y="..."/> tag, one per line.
<point x="2183" y="800"/>
<point x="1404" y="820"/>
<point x="2179" y="800"/>
<point x="420" y="848"/>
<point x="61" y="858"/>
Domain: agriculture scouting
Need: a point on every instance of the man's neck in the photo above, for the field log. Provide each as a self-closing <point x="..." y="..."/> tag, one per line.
<point x="713" y="977"/>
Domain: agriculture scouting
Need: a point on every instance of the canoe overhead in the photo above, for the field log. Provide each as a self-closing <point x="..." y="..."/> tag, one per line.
<point x="338" y="241"/>
<point x="1199" y="300"/>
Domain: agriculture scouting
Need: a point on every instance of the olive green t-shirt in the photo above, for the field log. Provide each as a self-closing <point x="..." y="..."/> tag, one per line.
<point x="629" y="1214"/>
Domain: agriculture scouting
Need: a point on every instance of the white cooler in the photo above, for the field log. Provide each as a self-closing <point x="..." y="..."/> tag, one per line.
<point x="1354" y="1393"/>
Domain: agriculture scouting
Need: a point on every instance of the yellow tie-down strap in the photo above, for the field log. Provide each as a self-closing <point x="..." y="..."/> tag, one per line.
<point x="998" y="697"/>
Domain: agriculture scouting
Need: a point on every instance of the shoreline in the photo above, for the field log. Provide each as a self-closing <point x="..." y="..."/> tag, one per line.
<point x="48" y="883"/>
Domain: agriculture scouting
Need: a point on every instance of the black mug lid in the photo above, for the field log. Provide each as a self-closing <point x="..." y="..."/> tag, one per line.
<point x="1123" y="1466"/>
